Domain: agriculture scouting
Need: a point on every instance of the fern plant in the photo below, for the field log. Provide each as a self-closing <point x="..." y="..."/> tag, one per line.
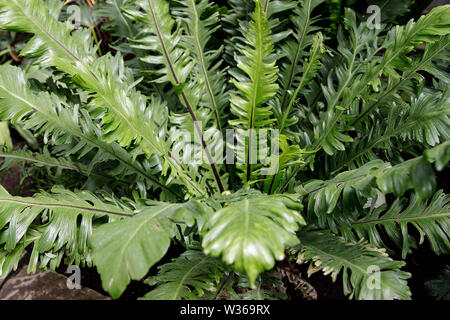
<point x="323" y="133"/>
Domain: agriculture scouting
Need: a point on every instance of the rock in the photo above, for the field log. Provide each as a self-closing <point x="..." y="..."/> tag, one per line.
<point x="435" y="3"/>
<point x="44" y="285"/>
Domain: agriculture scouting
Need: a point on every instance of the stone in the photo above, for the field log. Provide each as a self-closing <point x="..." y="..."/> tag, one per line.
<point x="44" y="285"/>
<point x="434" y="4"/>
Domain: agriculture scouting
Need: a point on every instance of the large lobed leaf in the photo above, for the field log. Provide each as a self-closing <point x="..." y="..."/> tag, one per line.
<point x="253" y="233"/>
<point x="125" y="250"/>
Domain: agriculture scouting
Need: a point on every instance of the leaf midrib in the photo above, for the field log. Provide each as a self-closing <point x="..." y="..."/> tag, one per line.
<point x="69" y="206"/>
<point x="297" y="53"/>
<point x="124" y="246"/>
<point x="99" y="92"/>
<point x="83" y="136"/>
<point x="409" y="218"/>
<point x="202" y="65"/>
<point x="181" y="282"/>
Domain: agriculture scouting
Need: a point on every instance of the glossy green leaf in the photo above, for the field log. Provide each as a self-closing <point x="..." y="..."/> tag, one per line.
<point x="193" y="270"/>
<point x="430" y="218"/>
<point x="125" y="250"/>
<point x="367" y="272"/>
<point x="253" y="233"/>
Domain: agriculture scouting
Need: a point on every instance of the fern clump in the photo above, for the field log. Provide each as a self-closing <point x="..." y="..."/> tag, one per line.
<point x="244" y="134"/>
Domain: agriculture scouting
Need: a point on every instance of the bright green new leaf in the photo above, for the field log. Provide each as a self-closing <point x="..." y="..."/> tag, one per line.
<point x="252" y="234"/>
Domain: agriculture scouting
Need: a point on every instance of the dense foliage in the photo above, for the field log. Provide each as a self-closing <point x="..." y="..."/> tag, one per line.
<point x="363" y="124"/>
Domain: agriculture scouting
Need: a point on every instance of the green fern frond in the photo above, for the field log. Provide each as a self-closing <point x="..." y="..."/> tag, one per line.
<point x="235" y="17"/>
<point x="121" y="28"/>
<point x="41" y="160"/>
<point x="162" y="35"/>
<point x="128" y="119"/>
<point x="434" y="51"/>
<point x="257" y="61"/>
<point x="49" y="221"/>
<point x="357" y="186"/>
<point x="294" y="49"/>
<point x="404" y="39"/>
<point x="355" y="51"/>
<point x="439" y="155"/>
<point x="439" y="287"/>
<point x="199" y="31"/>
<point x="367" y="272"/>
<point x="49" y="115"/>
<point x="55" y="166"/>
<point x="118" y="24"/>
<point x="414" y="174"/>
<point x="310" y="68"/>
<point x="191" y="276"/>
<point x="424" y="121"/>
<point x="431" y="219"/>
<point x="177" y="65"/>
<point x="258" y="86"/>
<point x="356" y="80"/>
